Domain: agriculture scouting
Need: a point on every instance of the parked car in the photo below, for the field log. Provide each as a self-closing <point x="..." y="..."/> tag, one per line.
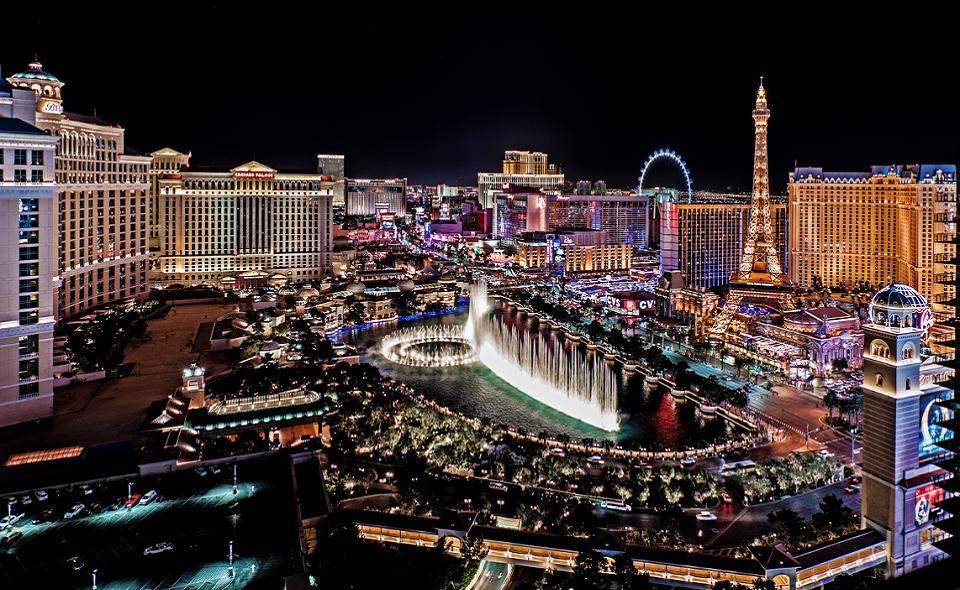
<point x="852" y="489"/>
<point x="87" y="490"/>
<point x="41" y="495"/>
<point x="9" y="539"/>
<point x="158" y="548"/>
<point x="10" y="520"/>
<point x="149" y="497"/>
<point x="26" y="500"/>
<point x="74" y="510"/>
<point x="45" y="516"/>
<point x="200" y="471"/>
<point x="215" y="469"/>
<point x="133" y="501"/>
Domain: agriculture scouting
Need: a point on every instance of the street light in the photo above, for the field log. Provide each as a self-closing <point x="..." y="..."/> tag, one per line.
<point x="231" y="559"/>
<point x="234" y="478"/>
<point x="94" y="579"/>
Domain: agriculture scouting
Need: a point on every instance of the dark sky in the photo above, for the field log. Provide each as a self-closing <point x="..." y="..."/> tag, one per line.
<point x="439" y="99"/>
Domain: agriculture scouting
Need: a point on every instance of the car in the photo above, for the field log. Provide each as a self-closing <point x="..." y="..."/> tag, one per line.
<point x="94" y="507"/>
<point x="200" y="471"/>
<point x="687" y="461"/>
<point x="557" y="451"/>
<point x="215" y="469"/>
<point x="149" y="497"/>
<point x="727" y="499"/>
<point x="595" y="459"/>
<point x="115" y="506"/>
<point x="74" y="510"/>
<point x="26" y="500"/>
<point x="158" y="548"/>
<point x="10" y="520"/>
<point x="133" y="501"/>
<point x="45" y="516"/>
<point x="728" y="378"/>
<point x="87" y="490"/>
<point x="9" y="539"/>
<point x="615" y="505"/>
<point x="855" y="479"/>
<point x="706" y="515"/>
<point x="852" y="489"/>
<point x="41" y="495"/>
<point x="76" y="563"/>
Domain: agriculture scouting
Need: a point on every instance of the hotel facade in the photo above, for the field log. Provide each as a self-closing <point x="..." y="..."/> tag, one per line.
<point x="704" y="241"/>
<point x="243" y="227"/>
<point x="102" y="202"/>
<point x="28" y="259"/>
<point x="890" y="224"/>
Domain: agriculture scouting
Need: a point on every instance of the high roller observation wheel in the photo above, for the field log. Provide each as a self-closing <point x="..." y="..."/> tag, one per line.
<point x="670" y="155"/>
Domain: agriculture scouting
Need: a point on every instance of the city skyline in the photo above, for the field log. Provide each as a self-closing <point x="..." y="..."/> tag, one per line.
<point x="439" y="105"/>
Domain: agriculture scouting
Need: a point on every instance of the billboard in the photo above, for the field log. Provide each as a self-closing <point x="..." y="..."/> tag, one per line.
<point x="930" y="433"/>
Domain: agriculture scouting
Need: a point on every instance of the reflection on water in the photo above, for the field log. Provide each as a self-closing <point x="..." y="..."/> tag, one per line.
<point x="651" y="419"/>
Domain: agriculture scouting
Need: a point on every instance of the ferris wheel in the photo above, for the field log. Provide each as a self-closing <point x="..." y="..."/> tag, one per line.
<point x="665" y="169"/>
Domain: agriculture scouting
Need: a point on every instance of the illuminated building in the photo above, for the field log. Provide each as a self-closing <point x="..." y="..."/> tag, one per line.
<point x="369" y="197"/>
<point x="623" y="217"/>
<point x="683" y="309"/>
<point x="759" y="278"/>
<point x="28" y="268"/>
<point x="902" y="413"/>
<point x="332" y="165"/>
<point x="580" y="253"/>
<point x="704" y="240"/>
<point x="163" y="162"/>
<point x="244" y="227"/>
<point x="891" y="224"/>
<point x="102" y="194"/>
<point x="516" y="211"/>
<point x="523" y="170"/>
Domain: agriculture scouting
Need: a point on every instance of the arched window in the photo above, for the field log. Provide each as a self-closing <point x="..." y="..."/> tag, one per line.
<point x="879" y="348"/>
<point x="907" y="384"/>
<point x="879" y="380"/>
<point x="907" y="352"/>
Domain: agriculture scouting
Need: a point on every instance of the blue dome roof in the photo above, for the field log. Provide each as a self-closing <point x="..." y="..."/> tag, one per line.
<point x="35" y="72"/>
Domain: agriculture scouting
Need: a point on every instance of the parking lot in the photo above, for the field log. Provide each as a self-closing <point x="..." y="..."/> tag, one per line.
<point x="199" y="515"/>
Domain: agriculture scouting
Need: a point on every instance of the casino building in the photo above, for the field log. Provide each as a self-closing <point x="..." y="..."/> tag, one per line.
<point x="244" y="227"/>
<point x="102" y="202"/>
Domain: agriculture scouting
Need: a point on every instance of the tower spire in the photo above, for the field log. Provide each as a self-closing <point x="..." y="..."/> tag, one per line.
<point x="759" y="278"/>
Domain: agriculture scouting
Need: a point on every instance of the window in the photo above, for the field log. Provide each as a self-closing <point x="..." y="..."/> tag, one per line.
<point x="36" y="157"/>
<point x="20" y="157"/>
<point x="36" y="176"/>
<point x="19" y="175"/>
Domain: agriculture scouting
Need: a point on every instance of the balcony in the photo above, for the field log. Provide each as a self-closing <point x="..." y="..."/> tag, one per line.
<point x="944" y="237"/>
<point x="947" y="278"/>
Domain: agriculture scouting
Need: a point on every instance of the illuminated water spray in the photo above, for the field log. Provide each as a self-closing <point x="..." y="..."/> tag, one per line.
<point x="575" y="382"/>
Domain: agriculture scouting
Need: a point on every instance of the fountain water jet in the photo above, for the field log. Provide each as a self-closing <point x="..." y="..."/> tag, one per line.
<point x="580" y="384"/>
<point x="575" y="382"/>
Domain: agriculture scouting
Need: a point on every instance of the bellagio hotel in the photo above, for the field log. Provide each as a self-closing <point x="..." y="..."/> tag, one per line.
<point x="891" y="224"/>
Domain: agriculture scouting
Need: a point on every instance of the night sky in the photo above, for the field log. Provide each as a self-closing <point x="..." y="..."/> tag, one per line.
<point x="439" y="99"/>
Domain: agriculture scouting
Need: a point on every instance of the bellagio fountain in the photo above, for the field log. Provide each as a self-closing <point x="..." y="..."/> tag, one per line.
<point x="573" y="381"/>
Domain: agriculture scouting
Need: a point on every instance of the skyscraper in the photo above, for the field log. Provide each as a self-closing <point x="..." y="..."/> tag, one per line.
<point x="28" y="266"/>
<point x="523" y="170"/>
<point x="102" y="198"/>
<point x="891" y="224"/>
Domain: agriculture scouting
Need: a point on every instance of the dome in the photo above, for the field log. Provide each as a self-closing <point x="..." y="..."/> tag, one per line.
<point x="35" y="73"/>
<point x="447" y="278"/>
<point x="307" y="292"/>
<point x="356" y="287"/>
<point x="846" y="335"/>
<point x="341" y="241"/>
<point x="800" y="322"/>
<point x="405" y="285"/>
<point x="900" y="305"/>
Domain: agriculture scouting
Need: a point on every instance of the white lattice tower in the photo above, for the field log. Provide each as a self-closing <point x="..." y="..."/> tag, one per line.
<point x="760" y="250"/>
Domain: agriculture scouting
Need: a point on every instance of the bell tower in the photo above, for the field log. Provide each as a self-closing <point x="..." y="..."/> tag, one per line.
<point x="47" y="88"/>
<point x="894" y="482"/>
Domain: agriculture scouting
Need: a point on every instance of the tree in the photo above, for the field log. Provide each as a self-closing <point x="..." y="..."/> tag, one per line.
<point x="790" y="528"/>
<point x="627" y="574"/>
<point x="835" y="519"/>
<point x="588" y="569"/>
<point x="357" y="313"/>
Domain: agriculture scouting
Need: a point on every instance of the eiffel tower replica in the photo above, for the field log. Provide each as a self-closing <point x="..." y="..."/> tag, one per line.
<point x="760" y="278"/>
